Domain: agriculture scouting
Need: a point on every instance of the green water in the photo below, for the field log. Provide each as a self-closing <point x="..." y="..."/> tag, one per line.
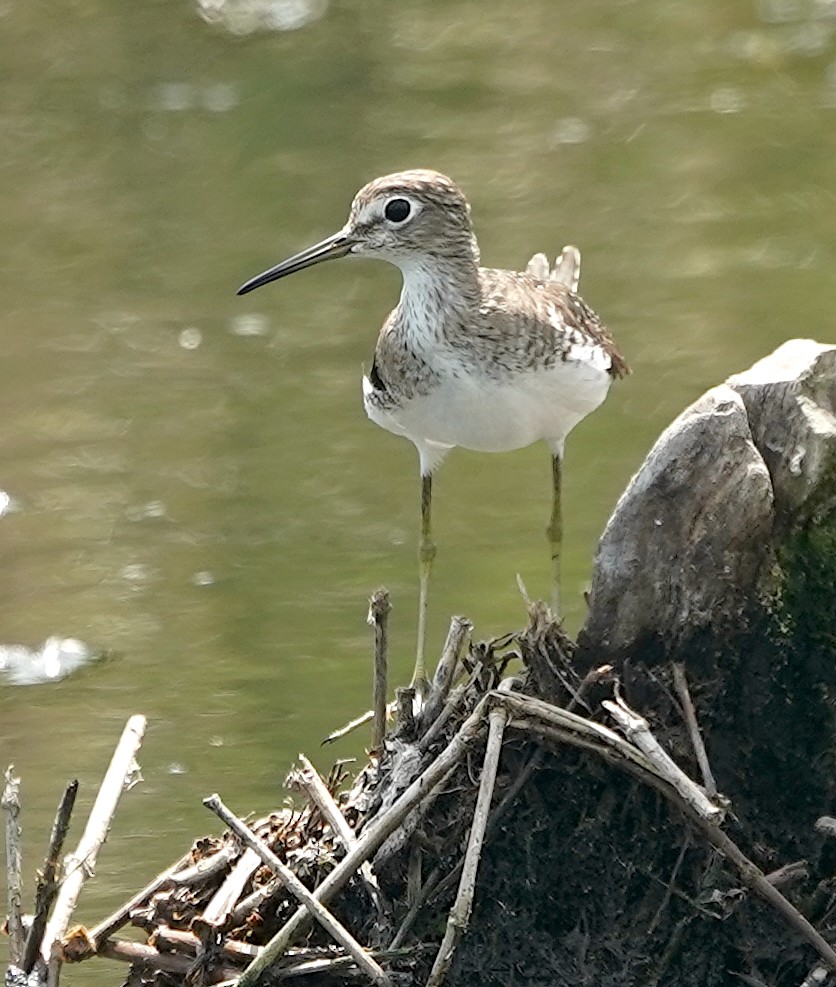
<point x="198" y="488"/>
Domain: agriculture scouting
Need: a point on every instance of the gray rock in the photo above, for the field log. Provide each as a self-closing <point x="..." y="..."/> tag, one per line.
<point x="790" y="399"/>
<point x="696" y="531"/>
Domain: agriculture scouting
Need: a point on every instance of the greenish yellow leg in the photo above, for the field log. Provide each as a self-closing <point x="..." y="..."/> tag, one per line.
<point x="426" y="554"/>
<point x="554" y="533"/>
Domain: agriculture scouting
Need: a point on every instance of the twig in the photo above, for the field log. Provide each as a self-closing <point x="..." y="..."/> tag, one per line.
<point x="378" y="618"/>
<point x="122" y="915"/>
<point x="154" y="959"/>
<point x="584" y="733"/>
<point x="350" y="727"/>
<point x="450" y="707"/>
<point x="669" y="888"/>
<point x="592" y="677"/>
<point x="789" y="873"/>
<point x="48" y="881"/>
<point x="445" y="671"/>
<point x="206" y="866"/>
<point x="178" y="941"/>
<point x="299" y="891"/>
<point x="372" y="838"/>
<point x="11" y="807"/>
<point x="311" y="781"/>
<point x="460" y="912"/>
<point x="254" y="901"/>
<point x="81" y="864"/>
<point x="680" y="684"/>
<point x="216" y="913"/>
<point x="638" y="732"/>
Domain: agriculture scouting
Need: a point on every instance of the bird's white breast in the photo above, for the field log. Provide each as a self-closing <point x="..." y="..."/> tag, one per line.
<point x="496" y="415"/>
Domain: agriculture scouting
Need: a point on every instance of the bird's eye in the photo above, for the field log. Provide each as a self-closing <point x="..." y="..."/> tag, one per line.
<point x="397" y="210"/>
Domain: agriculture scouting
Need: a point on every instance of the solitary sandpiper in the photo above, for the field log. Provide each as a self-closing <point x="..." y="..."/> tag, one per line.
<point x="486" y="359"/>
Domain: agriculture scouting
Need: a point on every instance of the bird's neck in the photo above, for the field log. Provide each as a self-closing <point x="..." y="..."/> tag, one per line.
<point x="438" y="293"/>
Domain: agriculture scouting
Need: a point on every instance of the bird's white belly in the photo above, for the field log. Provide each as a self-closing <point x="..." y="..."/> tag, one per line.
<point x="496" y="416"/>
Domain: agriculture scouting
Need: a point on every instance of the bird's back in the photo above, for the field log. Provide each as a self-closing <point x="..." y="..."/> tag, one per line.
<point x="529" y="323"/>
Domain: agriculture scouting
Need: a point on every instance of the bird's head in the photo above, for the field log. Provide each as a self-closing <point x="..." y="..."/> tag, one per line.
<point x="409" y="218"/>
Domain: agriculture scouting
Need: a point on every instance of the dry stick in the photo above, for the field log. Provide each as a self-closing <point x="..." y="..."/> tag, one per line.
<point x="79" y="865"/>
<point x="48" y="881"/>
<point x="449" y="708"/>
<point x="372" y="838"/>
<point x="317" y="791"/>
<point x="153" y="959"/>
<point x="592" y="677"/>
<point x="750" y="872"/>
<point x="178" y="941"/>
<point x="224" y="899"/>
<point x="680" y="683"/>
<point x="355" y="724"/>
<point x="206" y="866"/>
<point x="669" y="888"/>
<point x="637" y="730"/>
<point x="298" y="890"/>
<point x="585" y="733"/>
<point x="253" y="901"/>
<point x="122" y="915"/>
<point x="789" y="873"/>
<point x="460" y="912"/>
<point x="445" y="671"/>
<point x="378" y="618"/>
<point x="11" y="806"/>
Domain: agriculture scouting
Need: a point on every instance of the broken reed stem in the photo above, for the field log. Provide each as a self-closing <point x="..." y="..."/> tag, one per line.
<point x="78" y="866"/>
<point x="458" y="694"/>
<point x="637" y="731"/>
<point x="445" y="671"/>
<point x="349" y="727"/>
<point x="205" y="867"/>
<point x="378" y="618"/>
<point x="178" y="941"/>
<point x="680" y="684"/>
<point x="299" y="891"/>
<point x="223" y="900"/>
<point x="14" y="866"/>
<point x="154" y="959"/>
<point x="372" y="838"/>
<point x="317" y="791"/>
<point x="48" y="881"/>
<point x="459" y="917"/>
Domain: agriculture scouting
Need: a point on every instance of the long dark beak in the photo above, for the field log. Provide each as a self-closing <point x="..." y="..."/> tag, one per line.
<point x="334" y="246"/>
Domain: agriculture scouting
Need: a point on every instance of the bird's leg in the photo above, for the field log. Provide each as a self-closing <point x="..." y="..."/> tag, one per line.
<point x="426" y="554"/>
<point x="554" y="532"/>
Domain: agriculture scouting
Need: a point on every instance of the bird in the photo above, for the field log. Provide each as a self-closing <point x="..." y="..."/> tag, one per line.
<point x="480" y="358"/>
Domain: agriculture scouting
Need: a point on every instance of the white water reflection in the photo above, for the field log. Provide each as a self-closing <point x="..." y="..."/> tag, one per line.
<point x="250" y="16"/>
<point x="56" y="659"/>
